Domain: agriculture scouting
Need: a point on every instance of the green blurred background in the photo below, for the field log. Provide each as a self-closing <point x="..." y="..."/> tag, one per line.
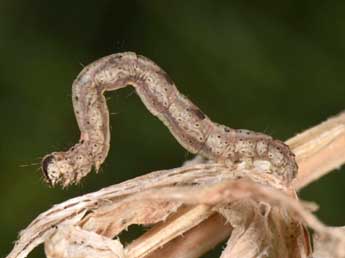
<point x="270" y="66"/>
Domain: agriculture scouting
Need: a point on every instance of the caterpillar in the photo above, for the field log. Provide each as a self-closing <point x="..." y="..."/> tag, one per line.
<point x="189" y="125"/>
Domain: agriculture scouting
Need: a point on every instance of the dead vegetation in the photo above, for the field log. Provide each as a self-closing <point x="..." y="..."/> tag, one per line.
<point x="194" y="207"/>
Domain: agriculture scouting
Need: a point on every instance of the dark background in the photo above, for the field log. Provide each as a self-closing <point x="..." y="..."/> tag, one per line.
<point x="270" y="66"/>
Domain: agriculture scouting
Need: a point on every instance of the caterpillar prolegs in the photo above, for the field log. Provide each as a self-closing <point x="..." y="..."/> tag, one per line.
<point x="189" y="125"/>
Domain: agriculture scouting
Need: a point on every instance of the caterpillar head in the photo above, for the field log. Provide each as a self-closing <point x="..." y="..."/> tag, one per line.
<point x="65" y="169"/>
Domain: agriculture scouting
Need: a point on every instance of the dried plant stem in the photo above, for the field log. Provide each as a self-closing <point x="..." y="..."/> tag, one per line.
<point x="318" y="151"/>
<point x="196" y="241"/>
<point x="167" y="231"/>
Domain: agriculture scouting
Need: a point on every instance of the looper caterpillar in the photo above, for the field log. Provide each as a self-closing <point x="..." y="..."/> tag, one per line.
<point x="189" y="125"/>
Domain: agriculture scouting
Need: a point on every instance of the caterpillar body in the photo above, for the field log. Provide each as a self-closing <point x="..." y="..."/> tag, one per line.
<point x="189" y="125"/>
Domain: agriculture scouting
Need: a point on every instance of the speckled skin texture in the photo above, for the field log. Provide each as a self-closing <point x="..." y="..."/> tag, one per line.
<point x="189" y="125"/>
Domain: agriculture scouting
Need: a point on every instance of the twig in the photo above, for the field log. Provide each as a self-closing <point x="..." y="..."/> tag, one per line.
<point x="318" y="151"/>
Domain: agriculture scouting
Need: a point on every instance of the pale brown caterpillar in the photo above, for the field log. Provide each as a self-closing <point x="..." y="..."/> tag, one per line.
<point x="191" y="127"/>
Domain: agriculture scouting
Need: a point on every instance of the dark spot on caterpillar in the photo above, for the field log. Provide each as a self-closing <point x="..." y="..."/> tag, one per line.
<point x="115" y="58"/>
<point x="76" y="98"/>
<point x="45" y="163"/>
<point x="198" y="113"/>
<point x="226" y="129"/>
